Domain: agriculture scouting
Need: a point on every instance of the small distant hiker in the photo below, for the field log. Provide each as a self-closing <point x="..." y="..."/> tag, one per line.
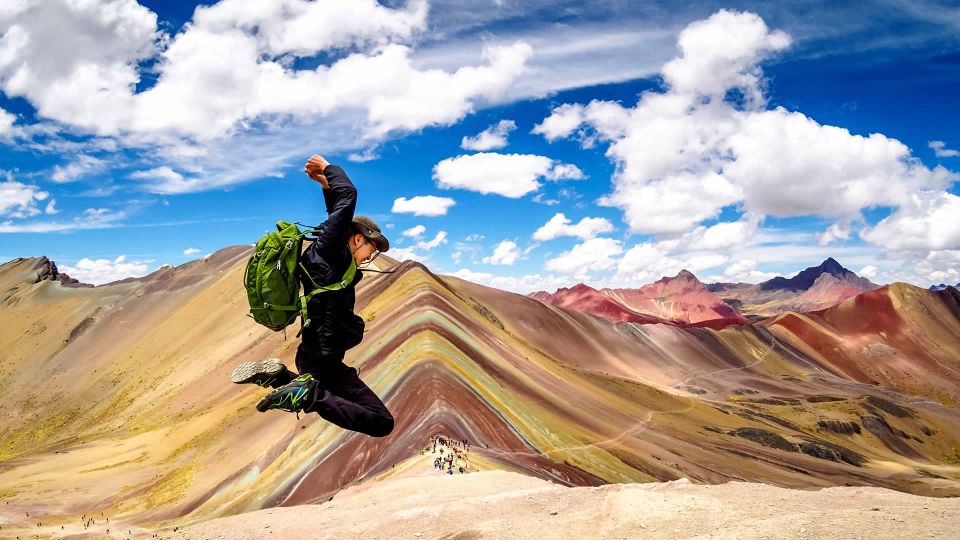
<point x="324" y="384"/>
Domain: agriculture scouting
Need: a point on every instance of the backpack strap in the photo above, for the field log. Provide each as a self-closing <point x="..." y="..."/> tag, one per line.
<point x="344" y="282"/>
<point x="310" y="229"/>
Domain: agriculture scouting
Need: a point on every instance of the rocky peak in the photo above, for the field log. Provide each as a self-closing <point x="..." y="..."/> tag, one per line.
<point x="683" y="281"/>
<point x="47" y="270"/>
<point x="805" y="279"/>
<point x="562" y="292"/>
<point x="579" y="287"/>
<point x="831" y="266"/>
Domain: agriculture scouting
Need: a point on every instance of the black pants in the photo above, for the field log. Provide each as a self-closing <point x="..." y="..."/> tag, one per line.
<point x="342" y="398"/>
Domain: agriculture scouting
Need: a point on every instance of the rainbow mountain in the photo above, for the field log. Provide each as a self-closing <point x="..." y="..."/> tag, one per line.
<point x="119" y="401"/>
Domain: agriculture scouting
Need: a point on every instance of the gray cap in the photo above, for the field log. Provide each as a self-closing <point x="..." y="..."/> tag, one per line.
<point x="371" y="231"/>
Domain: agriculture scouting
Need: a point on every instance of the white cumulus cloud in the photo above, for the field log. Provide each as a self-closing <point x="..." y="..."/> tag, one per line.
<point x="424" y="205"/>
<point x="745" y="271"/>
<point x="291" y="26"/>
<point x="559" y="225"/>
<point x="76" y="62"/>
<point x="519" y="284"/>
<point x="591" y="255"/>
<point x="869" y="271"/>
<point x="721" y="53"/>
<point x="6" y="123"/>
<point x="927" y="221"/>
<point x="564" y="171"/>
<point x="685" y="153"/>
<point x="19" y="200"/>
<point x="837" y="231"/>
<point x="563" y="121"/>
<point x="414" y="232"/>
<point x="492" y="138"/>
<point x="165" y="180"/>
<point x="77" y="168"/>
<point x="409" y="254"/>
<point x="230" y="75"/>
<point x="420" y="251"/>
<point x="509" y="175"/>
<point x="385" y="86"/>
<point x="505" y="253"/>
<point x="939" y="149"/>
<point x="100" y="271"/>
<point x="427" y="245"/>
<point x="191" y="251"/>
<point x="722" y="235"/>
<point x="368" y="154"/>
<point x="649" y="261"/>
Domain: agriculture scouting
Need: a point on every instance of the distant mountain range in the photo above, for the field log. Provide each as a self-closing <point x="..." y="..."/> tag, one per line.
<point x="681" y="300"/>
<point x="815" y="288"/>
<point x="119" y="400"/>
<point x="942" y="286"/>
<point x="685" y="301"/>
<point x="805" y="279"/>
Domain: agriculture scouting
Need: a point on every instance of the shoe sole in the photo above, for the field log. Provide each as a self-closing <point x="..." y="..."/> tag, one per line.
<point x="264" y="404"/>
<point x="248" y="371"/>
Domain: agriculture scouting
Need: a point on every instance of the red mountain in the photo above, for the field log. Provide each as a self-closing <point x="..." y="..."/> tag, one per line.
<point x="681" y="300"/>
<point x="586" y="299"/>
<point x="893" y="335"/>
<point x="826" y="291"/>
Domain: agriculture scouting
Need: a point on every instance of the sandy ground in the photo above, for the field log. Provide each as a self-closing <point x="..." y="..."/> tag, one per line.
<point x="498" y="504"/>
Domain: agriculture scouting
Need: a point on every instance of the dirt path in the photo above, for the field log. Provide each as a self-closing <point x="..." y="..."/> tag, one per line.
<point x="497" y="504"/>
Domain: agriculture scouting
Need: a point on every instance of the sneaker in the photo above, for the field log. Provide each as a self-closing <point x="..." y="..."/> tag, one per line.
<point x="290" y="397"/>
<point x="264" y="373"/>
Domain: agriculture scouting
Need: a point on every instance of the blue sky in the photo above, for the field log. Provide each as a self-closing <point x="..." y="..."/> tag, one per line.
<point x="738" y="140"/>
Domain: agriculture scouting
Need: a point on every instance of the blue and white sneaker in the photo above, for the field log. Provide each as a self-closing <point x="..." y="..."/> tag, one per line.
<point x="291" y="397"/>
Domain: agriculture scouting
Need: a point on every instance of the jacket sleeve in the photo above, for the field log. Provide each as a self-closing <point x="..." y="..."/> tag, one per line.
<point x="341" y="201"/>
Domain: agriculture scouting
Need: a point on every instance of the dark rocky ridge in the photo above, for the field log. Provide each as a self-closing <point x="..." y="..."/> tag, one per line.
<point x="47" y="270"/>
<point x="805" y="279"/>
<point x="816" y="448"/>
<point x="838" y="426"/>
<point x="942" y="286"/>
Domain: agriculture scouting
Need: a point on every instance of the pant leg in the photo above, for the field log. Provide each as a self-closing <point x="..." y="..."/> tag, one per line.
<point x="314" y="363"/>
<point x="343" y="399"/>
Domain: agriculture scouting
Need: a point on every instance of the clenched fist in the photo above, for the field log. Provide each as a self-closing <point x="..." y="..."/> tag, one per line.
<point x="314" y="169"/>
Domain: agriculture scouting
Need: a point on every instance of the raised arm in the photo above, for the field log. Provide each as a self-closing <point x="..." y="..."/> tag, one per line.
<point x="340" y="196"/>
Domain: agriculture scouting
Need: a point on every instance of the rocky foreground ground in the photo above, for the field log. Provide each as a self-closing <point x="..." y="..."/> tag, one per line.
<point x="497" y="504"/>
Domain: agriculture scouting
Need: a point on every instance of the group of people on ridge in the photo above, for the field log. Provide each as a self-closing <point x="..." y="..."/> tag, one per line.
<point x="453" y="454"/>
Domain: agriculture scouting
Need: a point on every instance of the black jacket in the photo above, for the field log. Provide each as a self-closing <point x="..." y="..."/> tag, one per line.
<point x="334" y="327"/>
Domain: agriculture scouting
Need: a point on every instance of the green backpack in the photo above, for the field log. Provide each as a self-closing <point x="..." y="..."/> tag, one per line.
<point x="272" y="283"/>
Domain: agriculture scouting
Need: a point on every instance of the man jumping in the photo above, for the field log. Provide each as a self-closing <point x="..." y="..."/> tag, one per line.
<point x="325" y="384"/>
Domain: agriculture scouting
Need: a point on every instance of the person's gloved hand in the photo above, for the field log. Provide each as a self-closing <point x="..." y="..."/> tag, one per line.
<point x="314" y="169"/>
